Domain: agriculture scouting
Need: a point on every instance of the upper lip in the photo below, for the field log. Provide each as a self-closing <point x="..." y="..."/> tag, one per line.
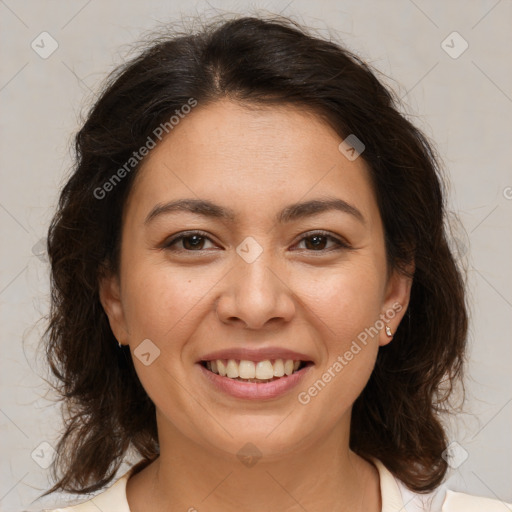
<point x="260" y="354"/>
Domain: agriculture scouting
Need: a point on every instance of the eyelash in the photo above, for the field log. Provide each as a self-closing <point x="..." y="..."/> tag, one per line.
<point x="167" y="245"/>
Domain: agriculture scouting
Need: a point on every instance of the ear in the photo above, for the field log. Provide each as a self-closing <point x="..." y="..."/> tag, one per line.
<point x="396" y="301"/>
<point x="110" y="298"/>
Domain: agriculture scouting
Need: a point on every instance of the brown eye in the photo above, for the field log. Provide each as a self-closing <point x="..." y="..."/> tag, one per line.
<point x="193" y="242"/>
<point x="190" y="242"/>
<point x="318" y="242"/>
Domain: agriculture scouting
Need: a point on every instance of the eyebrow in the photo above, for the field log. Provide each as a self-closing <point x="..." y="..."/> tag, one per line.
<point x="290" y="213"/>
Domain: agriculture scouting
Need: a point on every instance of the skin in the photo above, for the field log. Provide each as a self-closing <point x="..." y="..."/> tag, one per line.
<point x="188" y="303"/>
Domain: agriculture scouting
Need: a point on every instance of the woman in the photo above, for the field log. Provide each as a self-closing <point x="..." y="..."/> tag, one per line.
<point x="252" y="286"/>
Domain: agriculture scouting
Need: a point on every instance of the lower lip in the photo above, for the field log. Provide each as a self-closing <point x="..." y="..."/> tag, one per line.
<point x="255" y="390"/>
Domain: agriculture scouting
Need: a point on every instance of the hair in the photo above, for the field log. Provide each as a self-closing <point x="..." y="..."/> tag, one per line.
<point x="255" y="62"/>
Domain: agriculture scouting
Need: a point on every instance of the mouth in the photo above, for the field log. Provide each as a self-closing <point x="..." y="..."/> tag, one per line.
<point x="260" y="372"/>
<point x="266" y="379"/>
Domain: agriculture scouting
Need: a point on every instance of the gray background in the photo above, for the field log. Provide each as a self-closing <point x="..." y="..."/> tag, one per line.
<point x="463" y="103"/>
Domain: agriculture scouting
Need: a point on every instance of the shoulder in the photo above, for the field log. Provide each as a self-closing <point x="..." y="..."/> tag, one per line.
<point x="113" y="499"/>
<point x="455" y="501"/>
<point x="446" y="500"/>
<point x="397" y="497"/>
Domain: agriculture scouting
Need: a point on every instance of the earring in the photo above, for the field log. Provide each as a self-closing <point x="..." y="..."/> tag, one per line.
<point x="388" y="331"/>
<point x="120" y="346"/>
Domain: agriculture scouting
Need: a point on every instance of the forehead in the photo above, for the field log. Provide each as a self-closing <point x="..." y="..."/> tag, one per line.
<point x="231" y="153"/>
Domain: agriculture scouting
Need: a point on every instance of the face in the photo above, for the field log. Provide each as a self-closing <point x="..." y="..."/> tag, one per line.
<point x="255" y="271"/>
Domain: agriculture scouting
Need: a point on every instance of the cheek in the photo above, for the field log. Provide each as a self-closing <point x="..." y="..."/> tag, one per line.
<point x="163" y="305"/>
<point x="344" y="306"/>
<point x="345" y="301"/>
<point x="160" y="303"/>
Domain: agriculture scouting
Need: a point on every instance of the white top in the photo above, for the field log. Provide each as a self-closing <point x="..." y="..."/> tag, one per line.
<point x="396" y="497"/>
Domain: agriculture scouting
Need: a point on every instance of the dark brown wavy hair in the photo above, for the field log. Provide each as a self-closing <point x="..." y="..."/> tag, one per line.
<point x="269" y="61"/>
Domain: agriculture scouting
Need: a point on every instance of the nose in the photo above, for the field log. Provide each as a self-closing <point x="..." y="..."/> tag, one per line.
<point x="255" y="295"/>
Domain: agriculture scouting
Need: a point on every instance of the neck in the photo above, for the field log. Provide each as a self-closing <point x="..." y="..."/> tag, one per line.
<point x="187" y="476"/>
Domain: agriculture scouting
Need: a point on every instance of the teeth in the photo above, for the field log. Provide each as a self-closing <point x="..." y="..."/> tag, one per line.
<point x="232" y="369"/>
<point x="278" y="368"/>
<point x="247" y="370"/>
<point x="264" y="370"/>
<point x="250" y="370"/>
<point x="221" y="368"/>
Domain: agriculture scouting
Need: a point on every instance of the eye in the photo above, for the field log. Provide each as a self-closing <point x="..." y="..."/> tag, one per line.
<point x="194" y="241"/>
<point x="318" y="240"/>
<point x="190" y="241"/>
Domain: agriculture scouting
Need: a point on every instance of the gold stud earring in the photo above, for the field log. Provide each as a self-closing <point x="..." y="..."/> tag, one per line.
<point x="388" y="331"/>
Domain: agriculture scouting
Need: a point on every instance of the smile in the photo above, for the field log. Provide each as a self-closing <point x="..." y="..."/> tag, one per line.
<point x="254" y="380"/>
